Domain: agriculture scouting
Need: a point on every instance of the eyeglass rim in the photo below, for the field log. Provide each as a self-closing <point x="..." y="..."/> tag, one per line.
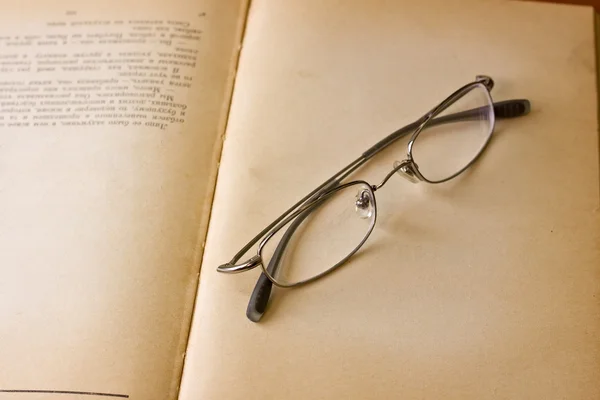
<point x="283" y="223"/>
<point x="439" y="109"/>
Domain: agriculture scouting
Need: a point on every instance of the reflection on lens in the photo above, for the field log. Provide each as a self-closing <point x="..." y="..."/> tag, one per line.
<point x="322" y="236"/>
<point x="442" y="150"/>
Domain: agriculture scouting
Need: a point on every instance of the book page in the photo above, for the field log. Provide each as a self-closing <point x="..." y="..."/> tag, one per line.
<point x="111" y="117"/>
<point x="482" y="287"/>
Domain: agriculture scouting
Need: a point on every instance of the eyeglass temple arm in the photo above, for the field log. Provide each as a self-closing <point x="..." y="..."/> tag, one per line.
<point x="503" y="109"/>
<point x="262" y="290"/>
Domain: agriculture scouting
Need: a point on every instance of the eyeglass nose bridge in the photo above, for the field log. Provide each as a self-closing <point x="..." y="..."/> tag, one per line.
<point x="405" y="170"/>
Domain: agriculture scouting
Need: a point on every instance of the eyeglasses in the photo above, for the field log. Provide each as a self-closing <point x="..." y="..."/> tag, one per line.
<point x="324" y="229"/>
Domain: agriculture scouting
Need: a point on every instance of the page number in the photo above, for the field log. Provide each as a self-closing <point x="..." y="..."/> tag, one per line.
<point x="71" y="12"/>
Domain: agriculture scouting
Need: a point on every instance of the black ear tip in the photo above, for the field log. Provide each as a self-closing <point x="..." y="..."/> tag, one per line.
<point x="259" y="298"/>
<point x="512" y="108"/>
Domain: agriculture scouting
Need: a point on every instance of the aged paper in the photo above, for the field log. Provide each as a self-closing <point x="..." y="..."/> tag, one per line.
<point x="483" y="287"/>
<point x="110" y="125"/>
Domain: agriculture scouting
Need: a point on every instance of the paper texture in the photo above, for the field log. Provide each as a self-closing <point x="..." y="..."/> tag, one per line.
<point x="104" y="205"/>
<point x="484" y="287"/>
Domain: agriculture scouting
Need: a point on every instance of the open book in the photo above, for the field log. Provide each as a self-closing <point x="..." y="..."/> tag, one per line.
<point x="144" y="143"/>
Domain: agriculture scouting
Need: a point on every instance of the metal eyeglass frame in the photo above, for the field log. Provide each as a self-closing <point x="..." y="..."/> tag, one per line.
<point x="407" y="168"/>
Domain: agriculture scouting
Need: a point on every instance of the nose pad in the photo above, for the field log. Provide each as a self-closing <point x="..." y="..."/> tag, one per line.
<point x="364" y="204"/>
<point x="406" y="172"/>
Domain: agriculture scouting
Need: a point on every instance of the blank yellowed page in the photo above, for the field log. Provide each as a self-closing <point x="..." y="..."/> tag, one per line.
<point x="483" y="287"/>
<point x="110" y="130"/>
